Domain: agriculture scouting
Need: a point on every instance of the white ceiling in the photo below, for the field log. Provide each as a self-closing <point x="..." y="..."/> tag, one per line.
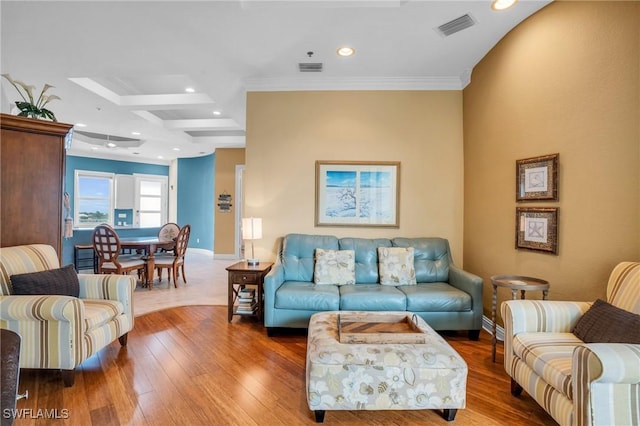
<point x="123" y="66"/>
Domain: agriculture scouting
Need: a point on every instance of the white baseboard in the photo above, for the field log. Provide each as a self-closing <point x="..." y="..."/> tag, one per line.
<point x="225" y="257"/>
<point x="200" y="251"/>
<point x="487" y="325"/>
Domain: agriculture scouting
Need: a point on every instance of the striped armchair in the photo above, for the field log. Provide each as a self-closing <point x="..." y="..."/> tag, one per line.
<point x="60" y="332"/>
<point x="577" y="383"/>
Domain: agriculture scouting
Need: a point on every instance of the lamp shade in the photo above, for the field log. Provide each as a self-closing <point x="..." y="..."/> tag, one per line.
<point x="251" y="228"/>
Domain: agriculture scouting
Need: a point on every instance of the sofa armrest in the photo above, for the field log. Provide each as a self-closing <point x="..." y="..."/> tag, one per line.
<point x="537" y="316"/>
<point x="272" y="281"/>
<point x="467" y="282"/>
<point x="605" y="377"/>
<point x="109" y="287"/>
<point x="40" y="308"/>
<point x="540" y="316"/>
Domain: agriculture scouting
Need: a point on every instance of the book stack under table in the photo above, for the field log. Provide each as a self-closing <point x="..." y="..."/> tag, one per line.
<point x="247" y="303"/>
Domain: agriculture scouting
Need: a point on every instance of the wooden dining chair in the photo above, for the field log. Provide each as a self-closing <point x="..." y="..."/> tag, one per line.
<point x="168" y="232"/>
<point x="176" y="261"/>
<point x="106" y="244"/>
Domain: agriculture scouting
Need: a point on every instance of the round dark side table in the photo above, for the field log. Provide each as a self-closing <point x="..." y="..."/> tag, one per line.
<point x="515" y="283"/>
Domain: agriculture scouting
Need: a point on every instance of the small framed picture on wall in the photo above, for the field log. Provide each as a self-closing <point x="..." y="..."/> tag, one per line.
<point x="537" y="178"/>
<point x="537" y="229"/>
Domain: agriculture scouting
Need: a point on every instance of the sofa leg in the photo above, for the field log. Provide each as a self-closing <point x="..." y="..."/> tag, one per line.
<point x="68" y="377"/>
<point x="123" y="339"/>
<point x="319" y="414"/>
<point x="449" y="414"/>
<point x="474" y="335"/>
<point x="516" y="389"/>
<point x="271" y="331"/>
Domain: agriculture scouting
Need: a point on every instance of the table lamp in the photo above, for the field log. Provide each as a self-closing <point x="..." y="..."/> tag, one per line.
<point x="252" y="230"/>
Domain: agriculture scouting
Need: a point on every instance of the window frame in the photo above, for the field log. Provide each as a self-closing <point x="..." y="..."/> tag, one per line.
<point x="78" y="174"/>
<point x="164" y="197"/>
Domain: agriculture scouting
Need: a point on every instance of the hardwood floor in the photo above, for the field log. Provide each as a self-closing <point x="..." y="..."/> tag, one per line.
<point x="188" y="366"/>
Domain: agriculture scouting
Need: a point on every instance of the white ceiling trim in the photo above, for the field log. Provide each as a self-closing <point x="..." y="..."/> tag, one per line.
<point x="167" y="101"/>
<point x="203" y="123"/>
<point x="356" y="83"/>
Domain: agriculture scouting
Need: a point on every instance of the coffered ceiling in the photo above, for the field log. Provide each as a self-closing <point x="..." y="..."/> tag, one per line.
<point x="122" y="67"/>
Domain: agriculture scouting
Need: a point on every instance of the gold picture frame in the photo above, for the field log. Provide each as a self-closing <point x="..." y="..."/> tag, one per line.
<point x="358" y="193"/>
<point x="537" y="229"/>
<point x="537" y="178"/>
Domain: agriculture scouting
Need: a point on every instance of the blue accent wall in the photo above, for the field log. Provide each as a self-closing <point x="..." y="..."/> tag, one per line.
<point x="109" y="166"/>
<point x="196" y="199"/>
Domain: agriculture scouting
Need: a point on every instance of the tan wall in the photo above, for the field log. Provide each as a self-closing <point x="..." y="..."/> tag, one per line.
<point x="564" y="81"/>
<point x="226" y="160"/>
<point x="288" y="131"/>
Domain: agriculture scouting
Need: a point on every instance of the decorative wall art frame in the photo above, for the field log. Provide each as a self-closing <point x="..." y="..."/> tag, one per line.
<point x="537" y="178"/>
<point x="537" y="229"/>
<point x="357" y="193"/>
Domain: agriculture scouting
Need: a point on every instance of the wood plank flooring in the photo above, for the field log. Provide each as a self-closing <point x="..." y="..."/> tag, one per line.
<point x="189" y="366"/>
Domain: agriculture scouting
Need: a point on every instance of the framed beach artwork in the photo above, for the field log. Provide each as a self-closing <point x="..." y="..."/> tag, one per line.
<point x="357" y="193"/>
<point x="537" y="178"/>
<point x="537" y="229"/>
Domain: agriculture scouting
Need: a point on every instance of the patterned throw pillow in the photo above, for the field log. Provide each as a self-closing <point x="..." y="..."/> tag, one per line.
<point x="335" y="267"/>
<point x="62" y="281"/>
<point x="396" y="266"/>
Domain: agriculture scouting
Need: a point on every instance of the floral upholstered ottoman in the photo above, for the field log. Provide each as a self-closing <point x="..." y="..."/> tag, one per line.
<point x="381" y="376"/>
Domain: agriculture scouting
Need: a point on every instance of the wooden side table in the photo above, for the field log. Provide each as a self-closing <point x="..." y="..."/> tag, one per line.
<point x="515" y="283"/>
<point x="242" y="274"/>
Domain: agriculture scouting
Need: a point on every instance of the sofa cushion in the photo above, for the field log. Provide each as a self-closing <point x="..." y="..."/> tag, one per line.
<point x="605" y="323"/>
<point x="366" y="250"/>
<point x="99" y="312"/>
<point x="334" y="267"/>
<point x="60" y="281"/>
<point x="549" y="355"/>
<point x="298" y="254"/>
<point x="436" y="297"/>
<point x="307" y="296"/>
<point x="396" y="266"/>
<point x="371" y="297"/>
<point x="431" y="257"/>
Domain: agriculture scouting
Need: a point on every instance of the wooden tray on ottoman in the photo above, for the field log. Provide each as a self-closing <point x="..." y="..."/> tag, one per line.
<point x="385" y="328"/>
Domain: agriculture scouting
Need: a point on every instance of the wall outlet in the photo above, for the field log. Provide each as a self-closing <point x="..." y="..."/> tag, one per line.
<point x="197" y="240"/>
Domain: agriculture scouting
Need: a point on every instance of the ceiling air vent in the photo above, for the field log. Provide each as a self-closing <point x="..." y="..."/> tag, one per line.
<point x="456" y="25"/>
<point x="310" y="67"/>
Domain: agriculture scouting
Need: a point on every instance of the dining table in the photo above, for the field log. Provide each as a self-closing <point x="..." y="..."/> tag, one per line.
<point x="147" y="246"/>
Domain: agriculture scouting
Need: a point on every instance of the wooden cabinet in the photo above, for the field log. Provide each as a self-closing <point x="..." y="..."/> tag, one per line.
<point x="32" y="173"/>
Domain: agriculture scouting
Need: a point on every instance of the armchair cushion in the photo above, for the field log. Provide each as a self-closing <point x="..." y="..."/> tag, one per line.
<point x="605" y="323"/>
<point x="60" y="281"/>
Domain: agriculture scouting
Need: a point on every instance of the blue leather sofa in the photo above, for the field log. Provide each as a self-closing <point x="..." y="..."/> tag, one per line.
<point x="446" y="297"/>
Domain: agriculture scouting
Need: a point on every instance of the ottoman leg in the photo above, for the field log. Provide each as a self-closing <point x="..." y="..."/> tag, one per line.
<point x="449" y="414"/>
<point x="319" y="416"/>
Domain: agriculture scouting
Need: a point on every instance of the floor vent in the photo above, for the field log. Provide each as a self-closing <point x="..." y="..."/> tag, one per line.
<point x="310" y="67"/>
<point x="456" y="25"/>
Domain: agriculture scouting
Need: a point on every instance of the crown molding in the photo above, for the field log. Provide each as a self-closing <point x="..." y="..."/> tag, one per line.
<point x="356" y="83"/>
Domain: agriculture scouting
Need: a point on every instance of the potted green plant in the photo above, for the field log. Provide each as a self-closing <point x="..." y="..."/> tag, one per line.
<point x="29" y="108"/>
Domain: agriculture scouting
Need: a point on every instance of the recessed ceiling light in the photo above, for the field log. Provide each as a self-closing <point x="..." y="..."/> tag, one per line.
<point x="160" y="157"/>
<point x="111" y="145"/>
<point x="135" y="133"/>
<point x="346" y="51"/>
<point x="217" y="113"/>
<point x="190" y="90"/>
<point x="502" y="4"/>
<point x="81" y="125"/>
<point x="176" y="149"/>
<point x="94" y="148"/>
